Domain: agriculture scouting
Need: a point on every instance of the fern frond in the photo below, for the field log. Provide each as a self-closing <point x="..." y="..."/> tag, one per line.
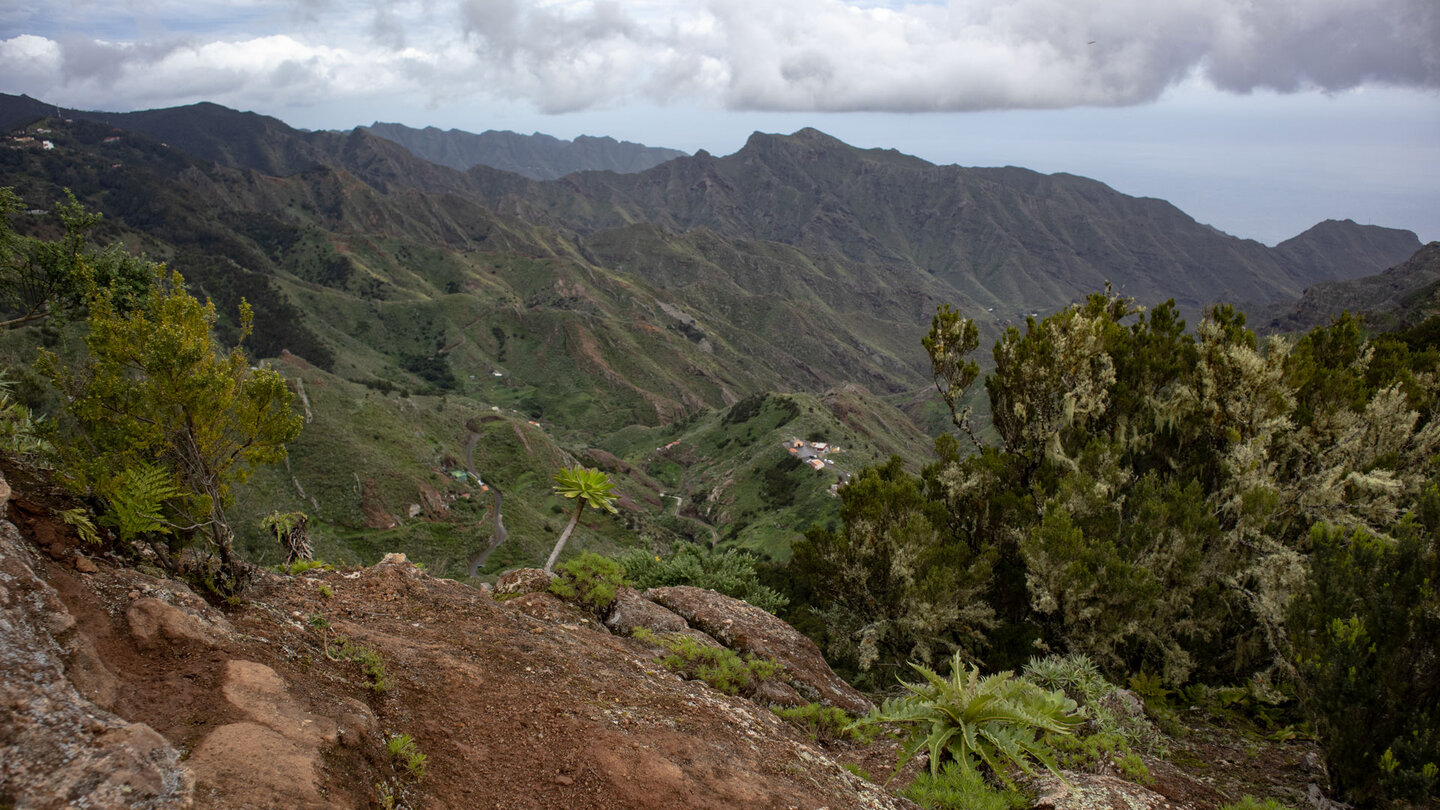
<point x="137" y="499"/>
<point x="79" y="520"/>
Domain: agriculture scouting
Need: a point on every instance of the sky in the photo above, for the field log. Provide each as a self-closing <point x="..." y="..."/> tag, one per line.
<point x="1259" y="117"/>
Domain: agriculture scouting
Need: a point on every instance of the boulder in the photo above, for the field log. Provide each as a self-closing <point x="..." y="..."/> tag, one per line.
<point x="745" y="628"/>
<point x="523" y="580"/>
<point x="58" y="749"/>
<point x="154" y="622"/>
<point x="631" y="610"/>
<point x="547" y="607"/>
<point x="1093" y="791"/>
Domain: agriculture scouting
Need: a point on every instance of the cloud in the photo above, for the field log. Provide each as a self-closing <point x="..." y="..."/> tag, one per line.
<point x="780" y="55"/>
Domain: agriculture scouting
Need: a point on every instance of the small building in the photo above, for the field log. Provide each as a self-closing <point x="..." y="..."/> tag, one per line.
<point x="817" y="464"/>
<point x="46" y="145"/>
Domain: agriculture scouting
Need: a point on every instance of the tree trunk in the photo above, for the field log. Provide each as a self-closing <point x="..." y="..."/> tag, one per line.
<point x="565" y="535"/>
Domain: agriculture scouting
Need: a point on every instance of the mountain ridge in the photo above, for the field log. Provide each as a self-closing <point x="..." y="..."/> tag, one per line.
<point x="537" y="156"/>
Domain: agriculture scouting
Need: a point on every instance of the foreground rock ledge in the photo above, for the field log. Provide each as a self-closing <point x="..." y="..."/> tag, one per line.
<point x="511" y="711"/>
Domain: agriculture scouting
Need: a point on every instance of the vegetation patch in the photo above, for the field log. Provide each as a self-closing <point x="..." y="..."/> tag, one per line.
<point x="589" y="581"/>
<point x="721" y="668"/>
<point x="342" y="648"/>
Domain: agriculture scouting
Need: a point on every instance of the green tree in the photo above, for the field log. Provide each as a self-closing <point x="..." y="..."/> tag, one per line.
<point x="40" y="278"/>
<point x="156" y="391"/>
<point x="586" y="487"/>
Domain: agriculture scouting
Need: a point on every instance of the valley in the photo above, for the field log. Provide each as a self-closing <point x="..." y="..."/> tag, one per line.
<point x="1092" y="467"/>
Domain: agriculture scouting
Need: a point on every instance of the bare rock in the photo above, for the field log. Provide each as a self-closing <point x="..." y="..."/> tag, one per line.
<point x="703" y="639"/>
<point x="4" y="496"/>
<point x="84" y="565"/>
<point x="88" y="672"/>
<point x="745" y="628"/>
<point x="1090" y="791"/>
<point x="251" y="766"/>
<point x="272" y="759"/>
<point x="631" y="610"/>
<point x="154" y="622"/>
<point x="357" y="723"/>
<point x="547" y="607"/>
<point x="523" y="580"/>
<point x="258" y="691"/>
<point x="774" y="692"/>
<point x="58" y="749"/>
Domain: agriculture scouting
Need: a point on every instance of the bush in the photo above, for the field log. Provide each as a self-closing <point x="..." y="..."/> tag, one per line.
<point x="729" y="572"/>
<point x="1078" y="677"/>
<point x="723" y="669"/>
<point x="590" y="581"/>
<point x="824" y="724"/>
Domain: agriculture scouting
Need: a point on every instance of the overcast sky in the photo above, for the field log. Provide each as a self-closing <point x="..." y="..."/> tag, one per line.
<point x="1261" y="117"/>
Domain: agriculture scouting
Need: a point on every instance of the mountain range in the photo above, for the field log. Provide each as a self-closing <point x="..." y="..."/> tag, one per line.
<point x="537" y="156"/>
<point x="608" y="305"/>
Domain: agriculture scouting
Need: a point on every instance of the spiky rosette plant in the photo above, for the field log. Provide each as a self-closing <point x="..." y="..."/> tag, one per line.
<point x="995" y="719"/>
<point x="584" y="486"/>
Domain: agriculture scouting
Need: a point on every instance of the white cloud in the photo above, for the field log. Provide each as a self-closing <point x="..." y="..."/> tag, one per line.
<point x="801" y="55"/>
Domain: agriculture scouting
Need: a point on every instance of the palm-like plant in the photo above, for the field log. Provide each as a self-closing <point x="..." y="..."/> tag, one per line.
<point x="995" y="718"/>
<point x="585" y="486"/>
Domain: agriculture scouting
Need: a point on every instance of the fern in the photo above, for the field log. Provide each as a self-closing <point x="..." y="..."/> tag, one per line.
<point x="79" y="520"/>
<point x="19" y="428"/>
<point x="137" y="498"/>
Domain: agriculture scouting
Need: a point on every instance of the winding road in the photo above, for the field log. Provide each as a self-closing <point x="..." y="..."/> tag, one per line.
<point x="499" y="535"/>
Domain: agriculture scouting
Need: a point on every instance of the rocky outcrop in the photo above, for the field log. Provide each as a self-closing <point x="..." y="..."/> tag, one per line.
<point x="746" y="628"/>
<point x="523" y="580"/>
<point x="154" y="622"/>
<point x="57" y="748"/>
<point x="632" y="611"/>
<point x="1091" y="791"/>
<point x="271" y="758"/>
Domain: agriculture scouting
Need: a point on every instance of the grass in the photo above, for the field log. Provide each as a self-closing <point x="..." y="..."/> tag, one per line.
<point x="406" y="754"/>
<point x="342" y="648"/>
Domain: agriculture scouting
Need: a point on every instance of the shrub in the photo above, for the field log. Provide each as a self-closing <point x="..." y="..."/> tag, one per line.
<point x="722" y="668"/>
<point x="1077" y="676"/>
<point x="590" y="581"/>
<point x="156" y="394"/>
<point x="957" y="788"/>
<point x="19" y="428"/>
<point x="729" y="572"/>
<point x="994" y="719"/>
<point x="824" y="724"/>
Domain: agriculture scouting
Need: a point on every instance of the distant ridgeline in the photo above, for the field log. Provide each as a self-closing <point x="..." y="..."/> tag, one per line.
<point x="537" y="156"/>
<point x="614" y="309"/>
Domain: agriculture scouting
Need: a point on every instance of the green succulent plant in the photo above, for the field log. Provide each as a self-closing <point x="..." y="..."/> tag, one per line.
<point x="995" y="719"/>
